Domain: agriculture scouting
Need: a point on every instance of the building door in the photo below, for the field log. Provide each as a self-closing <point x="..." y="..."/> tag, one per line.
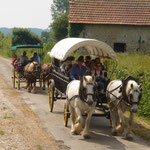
<point x="119" y="47"/>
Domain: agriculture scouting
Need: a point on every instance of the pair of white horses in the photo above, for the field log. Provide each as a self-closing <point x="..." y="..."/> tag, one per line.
<point x="121" y="96"/>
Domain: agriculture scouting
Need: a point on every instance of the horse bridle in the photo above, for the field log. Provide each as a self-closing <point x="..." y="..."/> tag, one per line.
<point x="130" y="97"/>
<point x="84" y="94"/>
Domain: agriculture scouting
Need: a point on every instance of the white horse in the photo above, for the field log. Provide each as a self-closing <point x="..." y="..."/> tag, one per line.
<point x="123" y="96"/>
<point x="81" y="97"/>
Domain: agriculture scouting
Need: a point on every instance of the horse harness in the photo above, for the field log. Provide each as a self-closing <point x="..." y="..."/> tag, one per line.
<point x="124" y="98"/>
<point x="83" y="95"/>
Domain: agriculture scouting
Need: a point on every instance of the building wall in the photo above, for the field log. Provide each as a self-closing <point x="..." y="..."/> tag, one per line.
<point x="136" y="38"/>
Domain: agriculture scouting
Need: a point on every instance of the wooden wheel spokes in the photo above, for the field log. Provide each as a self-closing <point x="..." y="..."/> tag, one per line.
<point x="66" y="114"/>
<point x="51" y="97"/>
<point x="13" y="78"/>
<point x="18" y="81"/>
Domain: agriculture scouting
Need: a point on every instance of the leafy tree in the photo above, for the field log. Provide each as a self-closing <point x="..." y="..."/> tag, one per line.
<point x="59" y="28"/>
<point x="45" y="36"/>
<point x="24" y="36"/>
<point x="59" y="7"/>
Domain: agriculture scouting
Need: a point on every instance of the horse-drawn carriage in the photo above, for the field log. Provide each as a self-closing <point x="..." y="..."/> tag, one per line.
<point x="80" y="94"/>
<point x="18" y="74"/>
<point x="59" y="83"/>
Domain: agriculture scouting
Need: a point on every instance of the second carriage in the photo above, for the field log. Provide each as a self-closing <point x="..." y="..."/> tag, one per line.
<point x="61" y="51"/>
<point x="17" y="73"/>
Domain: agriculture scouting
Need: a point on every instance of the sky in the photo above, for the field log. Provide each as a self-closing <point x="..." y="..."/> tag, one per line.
<point x="25" y="13"/>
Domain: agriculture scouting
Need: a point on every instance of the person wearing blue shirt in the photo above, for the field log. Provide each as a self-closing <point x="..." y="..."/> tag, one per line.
<point x="78" y="69"/>
<point x="36" y="58"/>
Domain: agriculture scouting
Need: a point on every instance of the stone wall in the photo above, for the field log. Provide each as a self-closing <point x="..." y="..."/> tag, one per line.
<point x="135" y="38"/>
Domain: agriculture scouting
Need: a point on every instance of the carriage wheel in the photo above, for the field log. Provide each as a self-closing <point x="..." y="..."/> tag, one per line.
<point x="13" y="78"/>
<point x="51" y="97"/>
<point x="66" y="114"/>
<point x="18" y="81"/>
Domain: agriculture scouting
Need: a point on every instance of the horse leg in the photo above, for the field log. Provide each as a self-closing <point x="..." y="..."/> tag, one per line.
<point x="86" y="132"/>
<point x="29" y="86"/>
<point x="44" y="82"/>
<point x="72" y="118"/>
<point x="120" y="127"/>
<point x="79" y="121"/>
<point x="34" y="86"/>
<point x="113" y="115"/>
<point x="128" y="134"/>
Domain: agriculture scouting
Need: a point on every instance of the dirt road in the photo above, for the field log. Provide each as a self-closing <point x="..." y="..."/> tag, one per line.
<point x="27" y="124"/>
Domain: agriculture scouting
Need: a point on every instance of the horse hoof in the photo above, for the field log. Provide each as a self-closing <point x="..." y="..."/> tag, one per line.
<point x="129" y="137"/>
<point x="114" y="133"/>
<point x="74" y="133"/>
<point x="86" y="136"/>
<point x="120" y="129"/>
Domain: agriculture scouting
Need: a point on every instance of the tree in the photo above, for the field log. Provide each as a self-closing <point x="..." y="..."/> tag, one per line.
<point x="59" y="28"/>
<point x="24" y="36"/>
<point x="59" y="7"/>
<point x="45" y="36"/>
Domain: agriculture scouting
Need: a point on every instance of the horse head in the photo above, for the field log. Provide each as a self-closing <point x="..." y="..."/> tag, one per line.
<point x="87" y="89"/>
<point x="133" y="92"/>
<point x="47" y="68"/>
<point x="33" y="67"/>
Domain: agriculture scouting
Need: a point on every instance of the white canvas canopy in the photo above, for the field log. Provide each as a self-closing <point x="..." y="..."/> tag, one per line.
<point x="65" y="47"/>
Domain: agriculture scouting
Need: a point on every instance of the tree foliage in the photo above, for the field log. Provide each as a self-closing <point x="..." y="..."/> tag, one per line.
<point x="59" y="7"/>
<point x="45" y="36"/>
<point x="24" y="36"/>
<point x="75" y="29"/>
<point x="59" y="28"/>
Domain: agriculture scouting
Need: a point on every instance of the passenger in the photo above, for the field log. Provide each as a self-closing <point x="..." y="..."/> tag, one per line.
<point x="15" y="60"/>
<point x="67" y="65"/>
<point x="99" y="74"/>
<point x="90" y="70"/>
<point x="23" y="60"/>
<point x="78" y="69"/>
<point x="87" y="61"/>
<point x="15" y="63"/>
<point x="57" y="65"/>
<point x="36" y="58"/>
<point x="97" y="61"/>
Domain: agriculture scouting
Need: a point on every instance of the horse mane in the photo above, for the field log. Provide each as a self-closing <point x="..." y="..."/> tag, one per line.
<point x="29" y="67"/>
<point x="124" y="85"/>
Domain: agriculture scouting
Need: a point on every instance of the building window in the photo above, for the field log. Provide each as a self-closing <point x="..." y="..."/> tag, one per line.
<point x="119" y="47"/>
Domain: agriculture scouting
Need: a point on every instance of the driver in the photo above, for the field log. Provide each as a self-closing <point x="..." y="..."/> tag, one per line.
<point x="78" y="69"/>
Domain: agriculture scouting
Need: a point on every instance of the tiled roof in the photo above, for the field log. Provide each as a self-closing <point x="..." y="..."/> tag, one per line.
<point x="128" y="12"/>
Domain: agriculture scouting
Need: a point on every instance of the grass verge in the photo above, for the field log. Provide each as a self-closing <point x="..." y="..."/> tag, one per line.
<point x="140" y="127"/>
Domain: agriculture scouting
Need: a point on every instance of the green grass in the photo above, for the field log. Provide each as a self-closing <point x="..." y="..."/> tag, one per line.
<point x="2" y="132"/>
<point x="6" y="116"/>
<point x="39" y="147"/>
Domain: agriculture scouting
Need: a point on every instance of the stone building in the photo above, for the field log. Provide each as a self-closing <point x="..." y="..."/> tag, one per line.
<point x="123" y="24"/>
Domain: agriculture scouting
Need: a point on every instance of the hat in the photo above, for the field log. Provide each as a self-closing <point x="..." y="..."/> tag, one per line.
<point x="80" y="58"/>
<point x="88" y="57"/>
<point x="70" y="58"/>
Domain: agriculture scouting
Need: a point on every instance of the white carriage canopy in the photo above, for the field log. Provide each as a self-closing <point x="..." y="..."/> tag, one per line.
<point x="65" y="47"/>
